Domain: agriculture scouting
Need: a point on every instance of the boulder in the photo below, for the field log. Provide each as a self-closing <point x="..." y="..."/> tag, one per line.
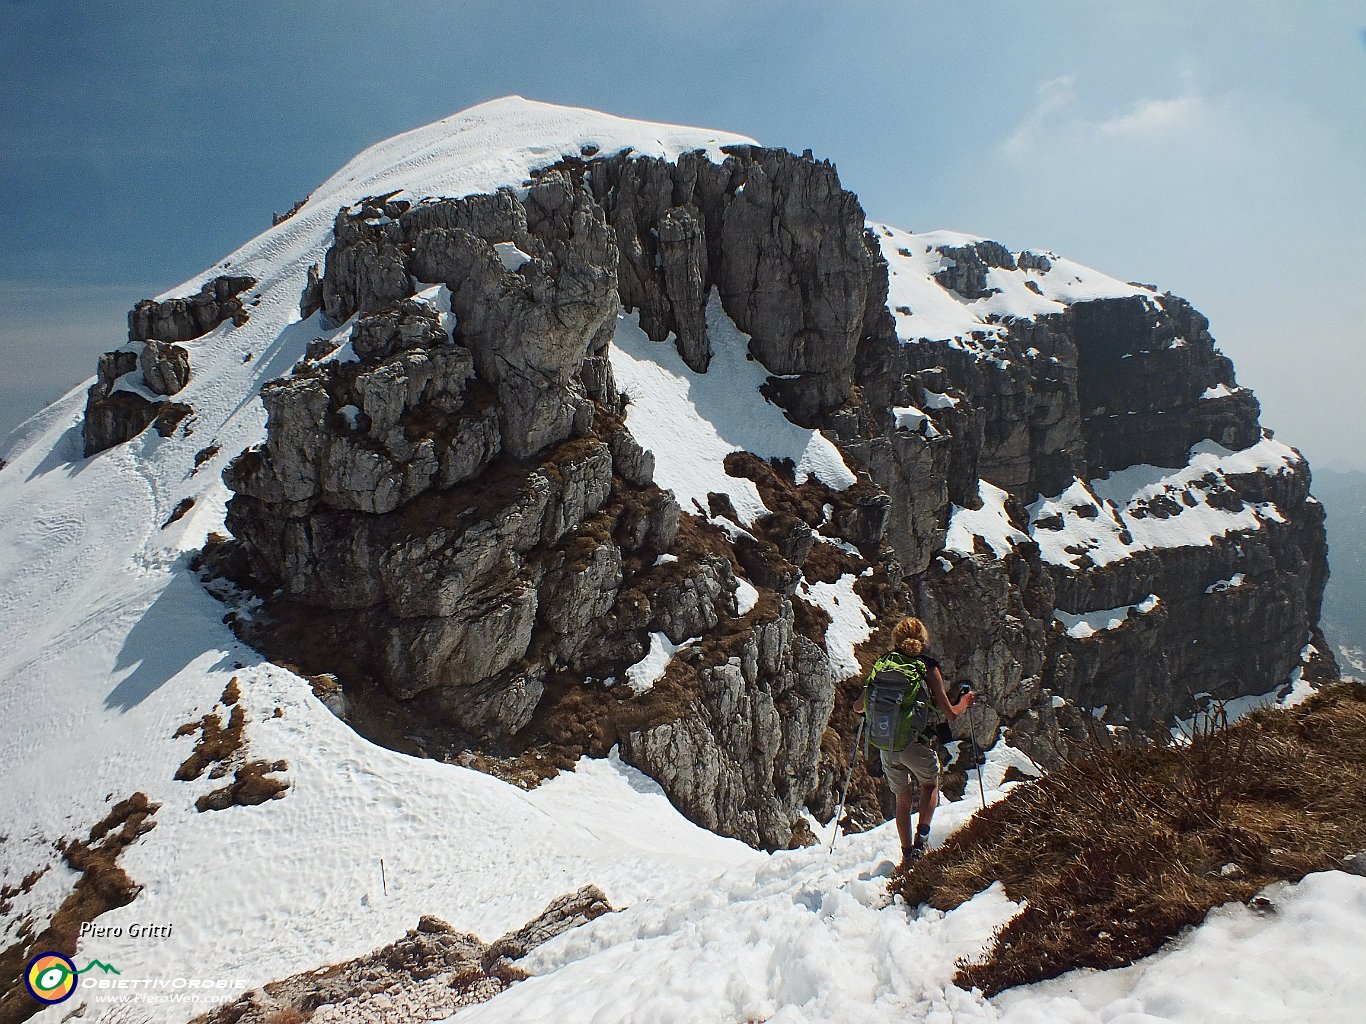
<point x="191" y="317"/>
<point x="165" y="367"/>
<point x="407" y="324"/>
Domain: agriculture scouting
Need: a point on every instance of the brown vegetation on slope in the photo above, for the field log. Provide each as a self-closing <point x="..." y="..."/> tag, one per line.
<point x="221" y="749"/>
<point x="102" y="887"/>
<point x="1116" y="852"/>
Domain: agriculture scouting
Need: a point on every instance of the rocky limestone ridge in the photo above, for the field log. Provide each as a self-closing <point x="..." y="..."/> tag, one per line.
<point x="458" y="523"/>
<point x="118" y="408"/>
<point x="428" y="974"/>
<point x="464" y="522"/>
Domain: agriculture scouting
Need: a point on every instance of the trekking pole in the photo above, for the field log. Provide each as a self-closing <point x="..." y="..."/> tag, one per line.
<point x="853" y="756"/>
<point x="966" y="687"/>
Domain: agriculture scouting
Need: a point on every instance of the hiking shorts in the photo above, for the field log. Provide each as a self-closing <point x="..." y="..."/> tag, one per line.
<point x="916" y="760"/>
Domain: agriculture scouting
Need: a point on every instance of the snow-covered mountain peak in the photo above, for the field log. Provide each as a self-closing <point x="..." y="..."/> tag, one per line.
<point x="488" y="146"/>
<point x="618" y="478"/>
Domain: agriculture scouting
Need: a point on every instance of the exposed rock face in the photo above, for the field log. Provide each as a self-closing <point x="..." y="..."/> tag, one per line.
<point x="459" y="519"/>
<point x="165" y="368"/>
<point x="757" y="730"/>
<point x="1231" y="614"/>
<point x="1082" y="395"/>
<point x="1144" y="368"/>
<point x="783" y="244"/>
<point x="531" y="285"/>
<point x="192" y="317"/>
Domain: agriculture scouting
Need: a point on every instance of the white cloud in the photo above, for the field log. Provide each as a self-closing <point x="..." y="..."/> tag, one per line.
<point x="1053" y="96"/>
<point x="1151" y="119"/>
<point x="1056" y="118"/>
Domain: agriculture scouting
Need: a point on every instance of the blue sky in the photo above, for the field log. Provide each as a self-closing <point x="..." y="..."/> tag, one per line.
<point x="1214" y="149"/>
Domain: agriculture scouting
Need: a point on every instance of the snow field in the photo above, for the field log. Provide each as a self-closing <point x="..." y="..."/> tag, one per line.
<point x="810" y="936"/>
<point x="802" y="936"/>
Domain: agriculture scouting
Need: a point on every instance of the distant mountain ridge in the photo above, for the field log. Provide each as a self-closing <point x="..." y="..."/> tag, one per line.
<point x="1343" y="494"/>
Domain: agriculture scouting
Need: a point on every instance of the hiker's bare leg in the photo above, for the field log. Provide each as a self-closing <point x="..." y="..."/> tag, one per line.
<point x="903" y="818"/>
<point x="929" y="800"/>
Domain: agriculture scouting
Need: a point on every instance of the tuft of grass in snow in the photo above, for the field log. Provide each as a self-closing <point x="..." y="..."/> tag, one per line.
<point x="221" y="749"/>
<point x="103" y="886"/>
<point x="1120" y="849"/>
<point x="218" y="744"/>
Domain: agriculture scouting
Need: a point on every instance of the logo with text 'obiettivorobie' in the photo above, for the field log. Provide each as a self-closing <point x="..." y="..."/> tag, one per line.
<point x="51" y="977"/>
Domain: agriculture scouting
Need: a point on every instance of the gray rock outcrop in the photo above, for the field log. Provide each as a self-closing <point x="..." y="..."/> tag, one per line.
<point x="183" y="319"/>
<point x="778" y="238"/>
<point x="165" y="367"/>
<point x="115" y="415"/>
<point x="967" y="265"/>
<point x="532" y="285"/>
<point x="760" y="714"/>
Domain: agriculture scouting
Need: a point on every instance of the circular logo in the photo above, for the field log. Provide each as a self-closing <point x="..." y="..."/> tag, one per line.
<point x="50" y="977"/>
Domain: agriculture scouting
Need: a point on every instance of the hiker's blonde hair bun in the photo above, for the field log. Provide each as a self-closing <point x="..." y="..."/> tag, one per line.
<point x="910" y="636"/>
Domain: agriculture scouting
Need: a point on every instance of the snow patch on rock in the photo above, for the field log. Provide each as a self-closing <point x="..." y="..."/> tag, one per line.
<point x="1080" y="625"/>
<point x="692" y="421"/>
<point x="991" y="522"/>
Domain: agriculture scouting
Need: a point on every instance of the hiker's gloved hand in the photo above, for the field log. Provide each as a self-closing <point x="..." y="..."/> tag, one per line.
<point x="875" y="767"/>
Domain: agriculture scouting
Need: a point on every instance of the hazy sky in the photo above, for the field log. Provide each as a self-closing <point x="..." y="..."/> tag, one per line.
<point x="1214" y="149"/>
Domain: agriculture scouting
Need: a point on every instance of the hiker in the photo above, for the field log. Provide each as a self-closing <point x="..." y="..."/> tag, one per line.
<point x="899" y="726"/>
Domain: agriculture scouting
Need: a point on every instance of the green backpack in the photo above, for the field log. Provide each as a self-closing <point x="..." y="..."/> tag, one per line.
<point x="896" y="701"/>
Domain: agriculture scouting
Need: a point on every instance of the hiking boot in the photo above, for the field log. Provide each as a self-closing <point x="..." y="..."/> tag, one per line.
<point x="909" y="856"/>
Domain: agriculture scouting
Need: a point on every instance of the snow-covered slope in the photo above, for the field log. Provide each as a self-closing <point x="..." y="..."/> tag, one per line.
<point x="111" y="645"/>
<point x="926" y="310"/>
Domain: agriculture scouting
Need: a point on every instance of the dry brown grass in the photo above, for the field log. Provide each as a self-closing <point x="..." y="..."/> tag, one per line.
<point x="810" y="620"/>
<point x="827" y="563"/>
<point x="179" y="512"/>
<point x="101" y="887"/>
<point x="1116" y="852"/>
<point x="251" y="784"/>
<point x="218" y="744"/>
<point x="221" y="750"/>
